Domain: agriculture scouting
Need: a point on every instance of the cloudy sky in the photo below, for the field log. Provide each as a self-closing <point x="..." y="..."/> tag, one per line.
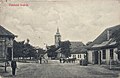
<point x="78" y="20"/>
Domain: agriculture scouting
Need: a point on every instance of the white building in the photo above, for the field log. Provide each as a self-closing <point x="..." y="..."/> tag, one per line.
<point x="77" y="50"/>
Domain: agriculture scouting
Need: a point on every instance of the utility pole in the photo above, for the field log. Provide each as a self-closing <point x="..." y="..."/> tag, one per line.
<point x="110" y="63"/>
<point x="99" y="57"/>
<point x="5" y="55"/>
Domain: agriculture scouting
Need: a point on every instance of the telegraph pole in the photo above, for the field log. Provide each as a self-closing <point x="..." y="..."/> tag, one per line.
<point x="5" y="55"/>
<point x="99" y="57"/>
<point x="110" y="63"/>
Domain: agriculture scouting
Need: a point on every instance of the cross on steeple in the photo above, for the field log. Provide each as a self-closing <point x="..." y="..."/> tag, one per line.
<point x="57" y="30"/>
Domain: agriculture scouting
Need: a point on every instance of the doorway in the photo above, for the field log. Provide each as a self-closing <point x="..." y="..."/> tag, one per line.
<point x="9" y="53"/>
<point x="96" y="57"/>
<point x="119" y="56"/>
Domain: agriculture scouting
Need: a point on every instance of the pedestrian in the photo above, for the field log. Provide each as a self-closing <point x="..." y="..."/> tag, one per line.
<point x="13" y="66"/>
<point x="60" y="60"/>
<point x="40" y="60"/>
<point x="63" y="60"/>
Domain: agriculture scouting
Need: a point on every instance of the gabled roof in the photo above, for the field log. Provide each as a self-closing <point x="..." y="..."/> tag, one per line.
<point x="102" y="44"/>
<point x="76" y="44"/>
<point x="5" y="32"/>
<point x="77" y="47"/>
<point x="79" y="50"/>
<point x="103" y="36"/>
<point x="110" y="42"/>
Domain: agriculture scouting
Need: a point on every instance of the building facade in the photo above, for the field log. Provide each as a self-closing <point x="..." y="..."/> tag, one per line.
<point x="78" y="50"/>
<point x="78" y="56"/>
<point x="104" y="49"/>
<point x="6" y="44"/>
<point x="103" y="54"/>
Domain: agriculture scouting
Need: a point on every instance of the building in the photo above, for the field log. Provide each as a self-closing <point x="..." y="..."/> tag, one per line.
<point x="78" y="50"/>
<point x="6" y="44"/>
<point x="57" y="38"/>
<point x="104" y="48"/>
<point x="59" y="53"/>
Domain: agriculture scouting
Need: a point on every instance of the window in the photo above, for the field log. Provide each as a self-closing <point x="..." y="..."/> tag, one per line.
<point x="111" y="53"/>
<point x="104" y="54"/>
<point x="75" y="56"/>
<point x="78" y="55"/>
<point x="84" y="55"/>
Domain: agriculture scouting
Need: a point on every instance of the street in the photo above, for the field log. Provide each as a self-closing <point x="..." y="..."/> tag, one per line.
<point x="54" y="69"/>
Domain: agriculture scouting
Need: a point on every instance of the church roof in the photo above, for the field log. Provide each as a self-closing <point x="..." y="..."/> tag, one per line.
<point x="5" y="32"/>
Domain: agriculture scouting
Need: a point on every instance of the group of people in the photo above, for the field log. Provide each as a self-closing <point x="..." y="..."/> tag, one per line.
<point x="62" y="60"/>
<point x="67" y="60"/>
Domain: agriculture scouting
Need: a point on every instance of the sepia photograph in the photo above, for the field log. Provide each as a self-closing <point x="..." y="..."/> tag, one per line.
<point x="59" y="38"/>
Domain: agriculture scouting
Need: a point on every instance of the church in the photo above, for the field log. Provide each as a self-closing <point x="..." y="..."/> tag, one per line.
<point x="76" y="49"/>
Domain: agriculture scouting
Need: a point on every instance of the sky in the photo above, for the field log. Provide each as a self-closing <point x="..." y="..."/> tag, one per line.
<point x="77" y="20"/>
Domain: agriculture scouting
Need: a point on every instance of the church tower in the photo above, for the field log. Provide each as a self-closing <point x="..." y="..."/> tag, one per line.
<point x="57" y="38"/>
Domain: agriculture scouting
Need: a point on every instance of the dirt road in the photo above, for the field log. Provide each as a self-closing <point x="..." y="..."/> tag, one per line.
<point x="54" y="69"/>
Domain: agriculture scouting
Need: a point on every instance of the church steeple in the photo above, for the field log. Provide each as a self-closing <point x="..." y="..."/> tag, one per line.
<point x="57" y="38"/>
<point x="57" y="30"/>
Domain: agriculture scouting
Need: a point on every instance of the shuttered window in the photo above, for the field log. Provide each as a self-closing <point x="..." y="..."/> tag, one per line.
<point x="104" y="54"/>
<point x="111" y="53"/>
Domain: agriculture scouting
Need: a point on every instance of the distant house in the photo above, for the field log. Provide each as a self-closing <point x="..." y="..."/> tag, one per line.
<point x="6" y="44"/>
<point x="59" y="53"/>
<point x="78" y="50"/>
<point x="104" y="48"/>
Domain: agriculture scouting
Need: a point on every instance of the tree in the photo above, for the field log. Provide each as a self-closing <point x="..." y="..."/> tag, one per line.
<point x="40" y="53"/>
<point x="65" y="48"/>
<point x="24" y="50"/>
<point x="51" y="51"/>
<point x="18" y="49"/>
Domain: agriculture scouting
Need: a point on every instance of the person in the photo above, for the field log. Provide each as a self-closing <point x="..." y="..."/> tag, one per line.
<point x="40" y="60"/>
<point x="13" y="66"/>
<point x="63" y="60"/>
<point x="60" y="60"/>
